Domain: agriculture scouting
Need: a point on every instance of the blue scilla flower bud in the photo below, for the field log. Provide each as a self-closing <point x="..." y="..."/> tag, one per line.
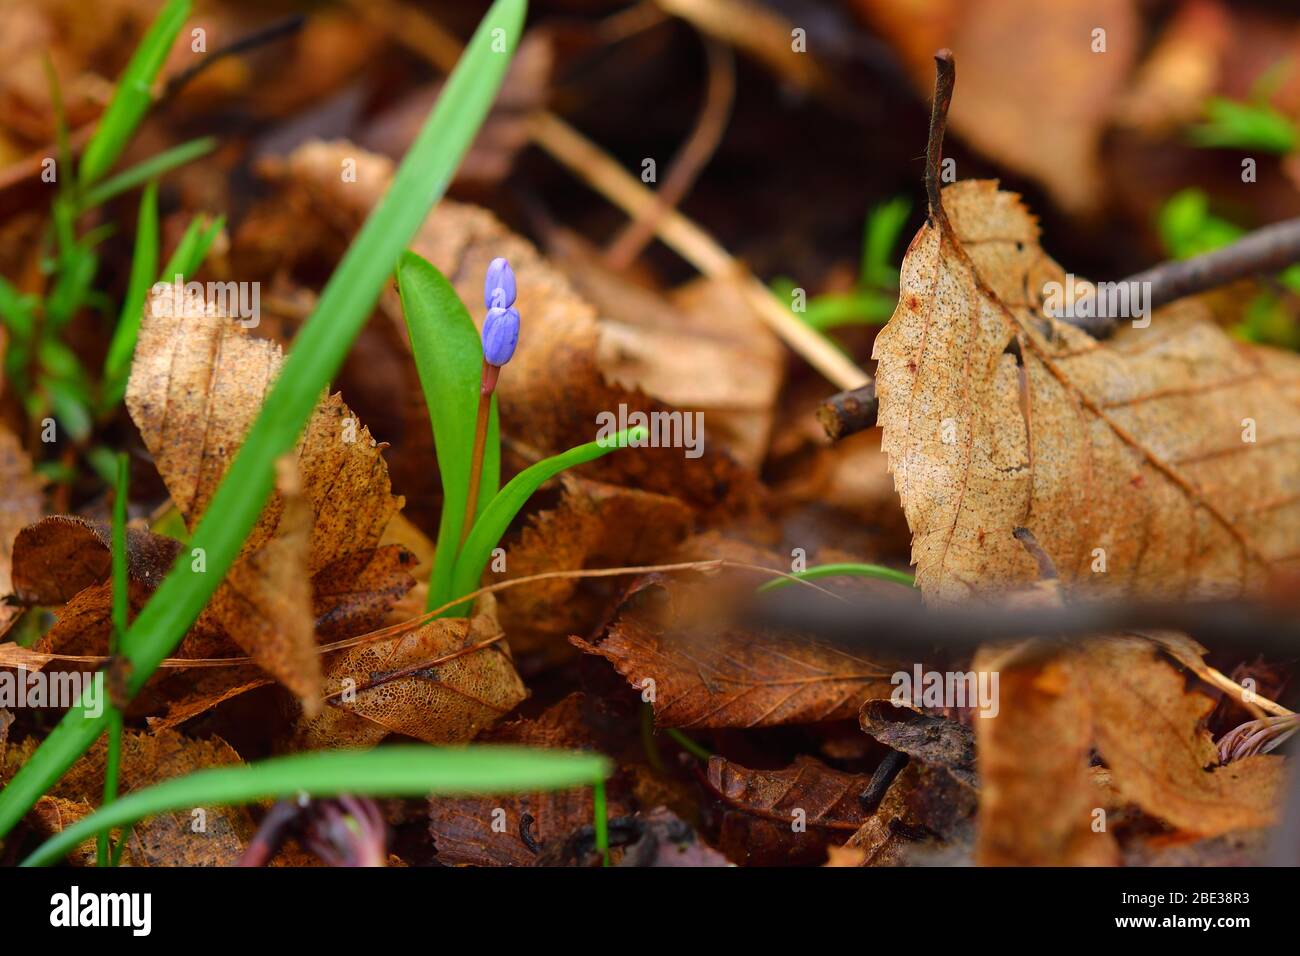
<point x="500" y="334"/>
<point x="499" y="287"/>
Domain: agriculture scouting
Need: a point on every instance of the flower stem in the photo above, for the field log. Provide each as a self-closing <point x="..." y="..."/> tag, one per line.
<point x="480" y="440"/>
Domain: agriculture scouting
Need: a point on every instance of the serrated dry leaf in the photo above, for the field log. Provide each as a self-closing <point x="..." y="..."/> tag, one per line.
<point x="169" y="839"/>
<point x="449" y="702"/>
<point x="724" y="677"/>
<point x="785" y="817"/>
<point x="1150" y="730"/>
<point x="197" y="383"/>
<point x="21" y="504"/>
<point x="1133" y="446"/>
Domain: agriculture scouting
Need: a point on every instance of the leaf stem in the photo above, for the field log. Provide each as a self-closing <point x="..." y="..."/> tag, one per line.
<point x="476" y="457"/>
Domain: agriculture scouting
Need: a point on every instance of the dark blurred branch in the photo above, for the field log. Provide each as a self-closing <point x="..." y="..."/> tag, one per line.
<point x="268" y="34"/>
<point x="1261" y="252"/>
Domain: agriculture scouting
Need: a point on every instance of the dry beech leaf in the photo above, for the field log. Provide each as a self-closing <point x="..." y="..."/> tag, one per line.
<point x="450" y="702"/>
<point x="1134" y="446"/>
<point x="197" y="383"/>
<point x="558" y="382"/>
<point x="763" y="806"/>
<point x="933" y="740"/>
<point x="59" y="556"/>
<point x="1151" y="732"/>
<point x="594" y="525"/>
<point x="266" y="599"/>
<point x="355" y="593"/>
<point x="169" y="839"/>
<point x="1055" y="81"/>
<point x="465" y="830"/>
<point x="724" y="677"/>
<point x="21" y="504"/>
<point x="1037" y="798"/>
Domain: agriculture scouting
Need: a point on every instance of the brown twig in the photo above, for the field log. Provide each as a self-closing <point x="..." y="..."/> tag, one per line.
<point x="854" y="410"/>
<point x="283" y="27"/>
<point x="1262" y="252"/>
<point x="715" y="110"/>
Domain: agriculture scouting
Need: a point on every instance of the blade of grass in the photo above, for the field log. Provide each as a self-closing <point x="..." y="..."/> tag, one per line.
<point x="113" y="762"/>
<point x="496" y="517"/>
<point x="193" y="248"/>
<point x="144" y="267"/>
<point x="317" y="352"/>
<point x="876" y="571"/>
<point x="400" y="770"/>
<point x="601" y="821"/>
<point x="449" y="358"/>
<point x="133" y="96"/>
<point x="152" y="168"/>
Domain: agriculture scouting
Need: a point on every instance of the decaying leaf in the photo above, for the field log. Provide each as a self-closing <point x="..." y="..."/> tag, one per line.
<point x="471" y="687"/>
<point x="725" y="677"/>
<point x="1089" y="444"/>
<point x="1151" y="732"/>
<point x="788" y="816"/>
<point x="511" y="830"/>
<point x="20" y="505"/>
<point x="197" y="383"/>
<point x="933" y="740"/>
<point x="925" y="810"/>
<point x="202" y="836"/>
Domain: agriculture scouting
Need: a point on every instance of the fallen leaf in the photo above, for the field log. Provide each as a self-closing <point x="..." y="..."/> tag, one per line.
<point x="1151" y="732"/>
<point x="448" y="702"/>
<point x="202" y="836"/>
<point x="785" y="817"/>
<point x="935" y="741"/>
<point x="924" y="811"/>
<point x="1092" y="445"/>
<point x="706" y="677"/>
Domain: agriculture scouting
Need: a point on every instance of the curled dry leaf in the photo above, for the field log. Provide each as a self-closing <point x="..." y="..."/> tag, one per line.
<point x="169" y="839"/>
<point x="721" y="676"/>
<point x="20" y="505"/>
<point x="788" y="816"/>
<point x="470" y="831"/>
<point x="1090" y="444"/>
<point x="935" y="741"/>
<point x="471" y="687"/>
<point x="1151" y="732"/>
<point x="197" y="383"/>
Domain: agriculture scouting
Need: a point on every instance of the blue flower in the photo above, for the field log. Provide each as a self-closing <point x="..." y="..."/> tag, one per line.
<point x="500" y="333"/>
<point x="499" y="287"/>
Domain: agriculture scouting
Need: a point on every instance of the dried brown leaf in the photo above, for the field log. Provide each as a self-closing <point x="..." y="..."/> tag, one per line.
<point x="1134" y="446"/>
<point x="21" y="504"/>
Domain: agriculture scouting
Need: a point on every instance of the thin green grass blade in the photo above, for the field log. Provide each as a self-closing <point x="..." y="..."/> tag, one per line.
<point x="317" y="352"/>
<point x="144" y="267"/>
<point x="133" y="96"/>
<point x="496" y="517"/>
<point x="193" y="248"/>
<point x="400" y="770"/>
<point x="876" y="571"/>
<point x="449" y="358"/>
<point x="113" y="761"/>
<point x="155" y="167"/>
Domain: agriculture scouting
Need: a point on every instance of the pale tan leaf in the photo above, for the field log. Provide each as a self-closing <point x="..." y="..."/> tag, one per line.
<point x="1133" y="446"/>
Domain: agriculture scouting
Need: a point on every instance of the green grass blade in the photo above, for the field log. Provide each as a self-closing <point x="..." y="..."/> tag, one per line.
<point x="876" y="571"/>
<point x="133" y="96"/>
<point x="144" y="267"/>
<point x="193" y="248"/>
<point x="113" y="762"/>
<point x="400" y="770"/>
<point x="881" y="235"/>
<point x="152" y="168"/>
<point x="317" y="352"/>
<point x="496" y="517"/>
<point x="449" y="358"/>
